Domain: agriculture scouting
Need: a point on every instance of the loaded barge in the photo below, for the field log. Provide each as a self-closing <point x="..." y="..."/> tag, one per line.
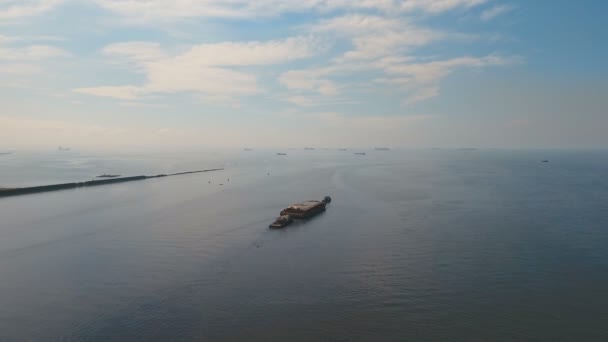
<point x="303" y="210"/>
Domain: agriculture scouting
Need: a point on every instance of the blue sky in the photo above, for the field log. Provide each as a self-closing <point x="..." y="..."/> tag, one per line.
<point x="216" y="73"/>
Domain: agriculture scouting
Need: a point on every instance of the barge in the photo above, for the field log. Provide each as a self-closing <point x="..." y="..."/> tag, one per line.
<point x="303" y="210"/>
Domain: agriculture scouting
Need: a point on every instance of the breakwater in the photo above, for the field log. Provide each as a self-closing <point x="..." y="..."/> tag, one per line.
<point x="74" y="185"/>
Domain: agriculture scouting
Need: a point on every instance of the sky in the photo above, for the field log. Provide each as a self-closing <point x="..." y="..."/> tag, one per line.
<point x="113" y="74"/>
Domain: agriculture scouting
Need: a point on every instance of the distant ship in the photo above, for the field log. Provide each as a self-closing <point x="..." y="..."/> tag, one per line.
<point x="343" y="149"/>
<point x="360" y="153"/>
<point x="309" y="148"/>
<point x="247" y="149"/>
<point x="281" y="154"/>
<point x="382" y="149"/>
<point x="61" y="148"/>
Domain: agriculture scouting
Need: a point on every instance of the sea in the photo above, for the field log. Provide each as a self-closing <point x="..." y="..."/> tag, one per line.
<point x="417" y="245"/>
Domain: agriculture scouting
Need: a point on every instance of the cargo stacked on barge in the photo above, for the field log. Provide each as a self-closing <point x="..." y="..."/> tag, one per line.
<point x="304" y="210"/>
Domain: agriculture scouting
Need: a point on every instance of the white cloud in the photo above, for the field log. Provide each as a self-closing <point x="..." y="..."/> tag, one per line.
<point x="418" y="80"/>
<point x="252" y="53"/>
<point x="120" y="92"/>
<point x="20" y="69"/>
<point x="421" y="80"/>
<point x="22" y="61"/>
<point x="143" y="11"/>
<point x="437" y="6"/>
<point x="382" y="50"/>
<point x="173" y="77"/>
<point x="137" y="51"/>
<point x="377" y="42"/>
<point x="374" y="36"/>
<point x="11" y="39"/>
<point x="15" y="9"/>
<point x="431" y="72"/>
<point x="32" y="52"/>
<point x="300" y="100"/>
<point x="495" y="11"/>
<point x="356" y="24"/>
<point x="6" y="39"/>
<point x="422" y="94"/>
<point x="309" y="80"/>
<point x="203" y="68"/>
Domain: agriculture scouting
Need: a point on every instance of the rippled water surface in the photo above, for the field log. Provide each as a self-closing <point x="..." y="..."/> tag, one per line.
<point x="432" y="245"/>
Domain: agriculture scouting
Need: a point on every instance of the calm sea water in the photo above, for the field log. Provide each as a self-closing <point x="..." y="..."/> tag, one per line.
<point x="432" y="245"/>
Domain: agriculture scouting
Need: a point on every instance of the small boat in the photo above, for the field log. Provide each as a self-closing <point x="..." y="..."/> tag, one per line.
<point x="281" y="221"/>
<point x="545" y="161"/>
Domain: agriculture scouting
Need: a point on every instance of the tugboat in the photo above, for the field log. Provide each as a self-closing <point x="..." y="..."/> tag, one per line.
<point x="281" y="221"/>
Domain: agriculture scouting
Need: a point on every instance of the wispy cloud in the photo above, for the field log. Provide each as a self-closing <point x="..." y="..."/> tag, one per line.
<point x="20" y="69"/>
<point x="141" y="11"/>
<point x="16" y="9"/>
<point x="11" y="39"/>
<point x="438" y="6"/>
<point x="309" y="80"/>
<point x="495" y="11"/>
<point x="31" y="52"/>
<point x="384" y="50"/>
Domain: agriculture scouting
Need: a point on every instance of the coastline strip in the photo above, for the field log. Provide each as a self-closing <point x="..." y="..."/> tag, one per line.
<point x="6" y="192"/>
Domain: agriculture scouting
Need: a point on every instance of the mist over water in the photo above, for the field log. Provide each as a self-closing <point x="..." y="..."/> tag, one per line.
<point x="428" y="245"/>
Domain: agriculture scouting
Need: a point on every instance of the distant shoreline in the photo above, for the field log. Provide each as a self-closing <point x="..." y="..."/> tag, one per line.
<point x="6" y="192"/>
